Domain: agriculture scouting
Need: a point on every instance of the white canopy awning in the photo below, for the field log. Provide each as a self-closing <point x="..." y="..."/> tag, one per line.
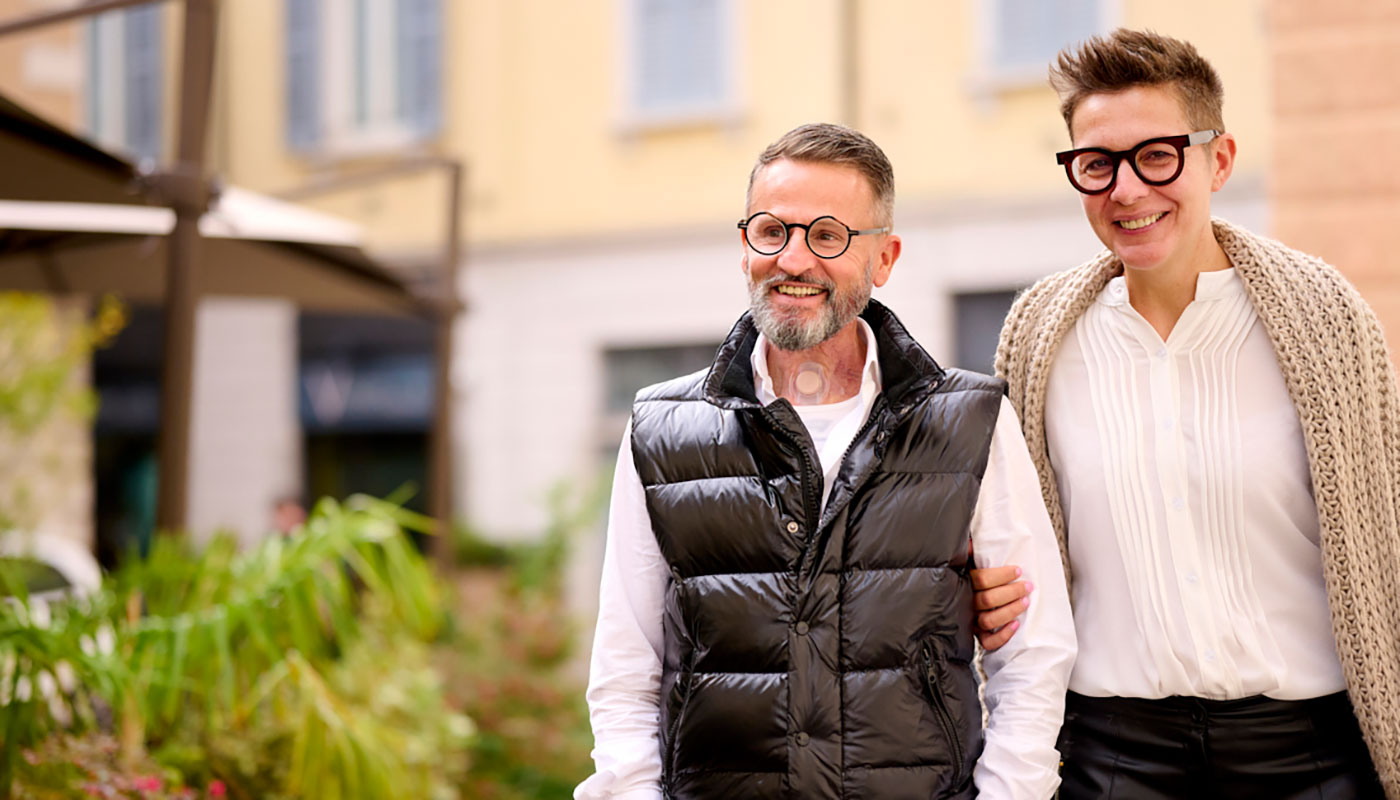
<point x="72" y="220"/>
<point x="235" y="214"/>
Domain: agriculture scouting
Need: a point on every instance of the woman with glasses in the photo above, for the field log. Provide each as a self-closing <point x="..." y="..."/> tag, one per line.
<point x="1216" y="424"/>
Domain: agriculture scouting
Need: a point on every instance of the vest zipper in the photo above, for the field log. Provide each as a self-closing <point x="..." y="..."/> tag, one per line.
<point x="871" y="420"/>
<point x="940" y="710"/>
<point x="810" y="504"/>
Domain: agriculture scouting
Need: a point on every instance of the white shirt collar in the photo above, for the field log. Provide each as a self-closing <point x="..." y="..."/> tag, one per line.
<point x="870" y="381"/>
<point x="1211" y="285"/>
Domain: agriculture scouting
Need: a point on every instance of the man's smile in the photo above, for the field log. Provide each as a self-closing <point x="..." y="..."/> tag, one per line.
<point x="798" y="290"/>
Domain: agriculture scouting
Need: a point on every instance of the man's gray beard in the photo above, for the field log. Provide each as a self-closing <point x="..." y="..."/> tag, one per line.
<point x="792" y="333"/>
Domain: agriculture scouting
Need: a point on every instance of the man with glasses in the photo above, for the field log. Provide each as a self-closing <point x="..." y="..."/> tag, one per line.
<point x="1217" y="427"/>
<point x="786" y="607"/>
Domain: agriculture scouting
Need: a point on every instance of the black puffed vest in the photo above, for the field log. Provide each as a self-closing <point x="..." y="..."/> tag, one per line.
<point x="817" y="653"/>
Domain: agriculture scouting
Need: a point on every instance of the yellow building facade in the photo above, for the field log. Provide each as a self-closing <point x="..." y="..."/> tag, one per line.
<point x="607" y="146"/>
<point x="539" y="99"/>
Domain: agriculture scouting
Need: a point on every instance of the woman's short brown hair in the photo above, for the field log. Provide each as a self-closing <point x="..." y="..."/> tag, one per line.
<point x="1126" y="59"/>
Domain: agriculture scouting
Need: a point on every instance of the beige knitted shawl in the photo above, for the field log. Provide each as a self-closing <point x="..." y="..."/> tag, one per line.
<point x="1334" y="361"/>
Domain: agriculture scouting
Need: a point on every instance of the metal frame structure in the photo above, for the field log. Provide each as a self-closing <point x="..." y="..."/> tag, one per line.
<point x="441" y="465"/>
<point x="186" y="188"/>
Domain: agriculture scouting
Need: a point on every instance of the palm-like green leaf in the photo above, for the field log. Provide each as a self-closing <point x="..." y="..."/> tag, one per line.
<point x="230" y="638"/>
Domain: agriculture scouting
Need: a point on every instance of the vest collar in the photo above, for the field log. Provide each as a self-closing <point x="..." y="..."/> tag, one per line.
<point x="907" y="371"/>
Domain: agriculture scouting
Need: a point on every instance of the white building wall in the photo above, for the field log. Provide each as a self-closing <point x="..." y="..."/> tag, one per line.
<point x="530" y="383"/>
<point x="246" y="438"/>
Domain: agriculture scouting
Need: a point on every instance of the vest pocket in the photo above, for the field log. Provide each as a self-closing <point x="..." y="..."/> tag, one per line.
<point x="932" y="671"/>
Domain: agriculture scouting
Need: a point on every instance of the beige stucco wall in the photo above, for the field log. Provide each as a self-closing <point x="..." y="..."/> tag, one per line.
<point x="535" y="106"/>
<point x="43" y="68"/>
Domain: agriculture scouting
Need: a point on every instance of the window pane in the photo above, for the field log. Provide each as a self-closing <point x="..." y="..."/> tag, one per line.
<point x="142" y="41"/>
<point x="979" y="318"/>
<point x="303" y="73"/>
<point x="1030" y="32"/>
<point x="678" y="50"/>
<point x="362" y="61"/>
<point x="627" y="370"/>
<point x="419" y="64"/>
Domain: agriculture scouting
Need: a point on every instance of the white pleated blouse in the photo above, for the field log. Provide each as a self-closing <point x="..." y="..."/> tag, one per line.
<point x="1193" y="533"/>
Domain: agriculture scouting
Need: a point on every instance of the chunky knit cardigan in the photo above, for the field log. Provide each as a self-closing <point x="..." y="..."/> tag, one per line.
<point x="1334" y="361"/>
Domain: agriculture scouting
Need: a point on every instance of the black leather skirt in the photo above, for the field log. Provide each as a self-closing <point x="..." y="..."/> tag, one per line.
<point x="1187" y="747"/>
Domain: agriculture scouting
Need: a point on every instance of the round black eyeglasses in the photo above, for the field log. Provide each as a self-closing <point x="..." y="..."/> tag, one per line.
<point x="827" y="237"/>
<point x="1157" y="162"/>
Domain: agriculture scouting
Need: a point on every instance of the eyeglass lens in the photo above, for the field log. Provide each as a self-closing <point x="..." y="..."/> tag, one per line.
<point x="768" y="235"/>
<point x="1154" y="162"/>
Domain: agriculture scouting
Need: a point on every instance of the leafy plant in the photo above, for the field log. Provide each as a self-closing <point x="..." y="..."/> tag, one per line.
<point x="209" y="650"/>
<point x="43" y="346"/>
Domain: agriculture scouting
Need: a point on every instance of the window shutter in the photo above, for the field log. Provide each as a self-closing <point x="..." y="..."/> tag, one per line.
<point x="142" y="41"/>
<point x="303" y="73"/>
<point x="678" y="62"/>
<point x="418" y="47"/>
<point x="96" y="109"/>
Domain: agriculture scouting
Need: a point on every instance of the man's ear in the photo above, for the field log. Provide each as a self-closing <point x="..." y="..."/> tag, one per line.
<point x="889" y="253"/>
<point x="1222" y="160"/>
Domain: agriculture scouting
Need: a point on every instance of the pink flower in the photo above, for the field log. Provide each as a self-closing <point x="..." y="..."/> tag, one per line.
<point x="146" y="783"/>
<point x="92" y="789"/>
<point x="217" y="788"/>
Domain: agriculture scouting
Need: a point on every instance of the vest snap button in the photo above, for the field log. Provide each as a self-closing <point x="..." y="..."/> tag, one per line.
<point x="801" y="628"/>
<point x="880" y="437"/>
<point x="792" y="527"/>
<point x="802" y="739"/>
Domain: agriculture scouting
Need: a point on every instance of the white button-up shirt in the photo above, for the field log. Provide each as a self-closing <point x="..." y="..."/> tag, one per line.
<point x="1026" y="678"/>
<point x="1193" y="533"/>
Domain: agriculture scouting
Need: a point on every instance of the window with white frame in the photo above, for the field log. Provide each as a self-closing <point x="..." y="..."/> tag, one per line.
<point x="1026" y="34"/>
<point x="126" y="65"/>
<point x="363" y="74"/>
<point x="680" y="59"/>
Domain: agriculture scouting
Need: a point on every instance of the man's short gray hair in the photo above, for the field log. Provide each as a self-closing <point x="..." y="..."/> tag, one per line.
<point x="826" y="143"/>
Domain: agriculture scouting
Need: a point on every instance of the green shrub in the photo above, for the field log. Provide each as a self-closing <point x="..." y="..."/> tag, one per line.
<point x="263" y="669"/>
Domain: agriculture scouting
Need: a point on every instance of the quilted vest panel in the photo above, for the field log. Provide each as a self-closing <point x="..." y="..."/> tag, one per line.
<point x="813" y="654"/>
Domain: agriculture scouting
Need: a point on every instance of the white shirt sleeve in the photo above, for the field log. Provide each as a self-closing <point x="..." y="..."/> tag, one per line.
<point x="1028" y="676"/>
<point x="624" y="678"/>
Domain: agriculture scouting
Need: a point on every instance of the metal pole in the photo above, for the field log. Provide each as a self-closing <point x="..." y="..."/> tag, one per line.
<point x="442" y="468"/>
<point x="187" y="191"/>
<point x="441" y="463"/>
<point x="85" y="10"/>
